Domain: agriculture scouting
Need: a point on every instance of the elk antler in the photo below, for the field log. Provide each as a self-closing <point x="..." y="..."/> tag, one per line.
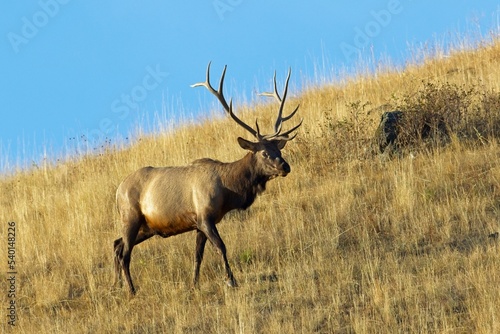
<point x="277" y="135"/>
<point x="280" y="119"/>
<point x="220" y="96"/>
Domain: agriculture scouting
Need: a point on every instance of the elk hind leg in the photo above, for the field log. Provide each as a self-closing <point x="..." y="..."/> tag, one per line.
<point x="201" y="240"/>
<point x="129" y="236"/>
<point x="118" y="250"/>
<point x="143" y="234"/>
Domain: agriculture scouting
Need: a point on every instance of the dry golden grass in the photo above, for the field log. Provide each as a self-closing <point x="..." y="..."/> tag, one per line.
<point x="347" y="243"/>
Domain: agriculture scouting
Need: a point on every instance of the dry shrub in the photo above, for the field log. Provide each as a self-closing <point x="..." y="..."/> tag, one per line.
<point x="438" y="110"/>
<point x="348" y="137"/>
<point x="429" y="117"/>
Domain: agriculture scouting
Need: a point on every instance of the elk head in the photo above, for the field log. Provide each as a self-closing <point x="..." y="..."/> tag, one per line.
<point x="267" y="147"/>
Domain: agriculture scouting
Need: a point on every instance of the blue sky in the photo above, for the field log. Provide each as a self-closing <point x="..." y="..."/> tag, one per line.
<point x="95" y="70"/>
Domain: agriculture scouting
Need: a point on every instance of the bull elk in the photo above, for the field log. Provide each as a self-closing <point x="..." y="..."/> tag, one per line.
<point x="167" y="201"/>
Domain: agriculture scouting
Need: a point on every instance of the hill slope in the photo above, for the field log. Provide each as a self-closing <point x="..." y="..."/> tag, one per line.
<point x="348" y="242"/>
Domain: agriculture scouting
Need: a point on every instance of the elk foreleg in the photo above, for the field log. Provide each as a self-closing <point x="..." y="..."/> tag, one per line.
<point x="210" y="231"/>
<point x="201" y="240"/>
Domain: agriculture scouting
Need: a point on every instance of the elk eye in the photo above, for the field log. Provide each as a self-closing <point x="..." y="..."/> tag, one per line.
<point x="265" y="154"/>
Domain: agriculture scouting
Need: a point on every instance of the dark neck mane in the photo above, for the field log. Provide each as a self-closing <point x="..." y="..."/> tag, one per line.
<point x="241" y="181"/>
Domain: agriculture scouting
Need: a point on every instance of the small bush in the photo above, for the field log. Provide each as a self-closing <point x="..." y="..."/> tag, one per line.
<point x="349" y="136"/>
<point x="467" y="112"/>
<point x="435" y="112"/>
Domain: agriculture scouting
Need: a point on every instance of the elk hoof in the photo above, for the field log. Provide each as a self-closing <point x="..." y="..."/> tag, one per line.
<point x="232" y="283"/>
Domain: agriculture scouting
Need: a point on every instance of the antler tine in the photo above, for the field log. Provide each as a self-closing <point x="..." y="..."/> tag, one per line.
<point x="220" y="96"/>
<point x="280" y="119"/>
<point x="218" y="93"/>
<point x="274" y="94"/>
<point x="259" y="136"/>
<point x="291" y="114"/>
<point x="284" y="136"/>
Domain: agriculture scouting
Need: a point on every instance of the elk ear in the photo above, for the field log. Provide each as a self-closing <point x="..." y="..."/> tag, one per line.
<point x="248" y="145"/>
<point x="281" y="143"/>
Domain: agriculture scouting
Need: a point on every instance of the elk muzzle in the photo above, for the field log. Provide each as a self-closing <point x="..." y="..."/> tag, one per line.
<point x="283" y="167"/>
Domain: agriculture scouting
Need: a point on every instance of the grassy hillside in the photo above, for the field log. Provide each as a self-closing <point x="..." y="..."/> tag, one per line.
<point x="349" y="242"/>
